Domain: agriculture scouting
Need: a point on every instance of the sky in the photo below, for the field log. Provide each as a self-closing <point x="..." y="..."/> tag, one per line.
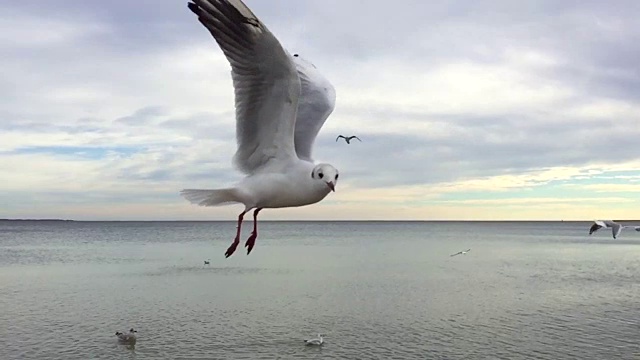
<point x="467" y="110"/>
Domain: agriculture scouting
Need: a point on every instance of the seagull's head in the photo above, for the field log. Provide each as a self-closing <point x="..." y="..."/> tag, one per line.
<point x="327" y="174"/>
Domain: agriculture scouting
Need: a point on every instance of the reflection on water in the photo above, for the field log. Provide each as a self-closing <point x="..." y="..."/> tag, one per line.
<point x="375" y="290"/>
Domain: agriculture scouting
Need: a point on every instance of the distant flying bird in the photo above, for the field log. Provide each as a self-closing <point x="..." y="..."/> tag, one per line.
<point x="461" y="252"/>
<point x="615" y="227"/>
<point x="281" y="103"/>
<point x="315" y="341"/>
<point x="127" y="338"/>
<point x="207" y="262"/>
<point x="348" y="138"/>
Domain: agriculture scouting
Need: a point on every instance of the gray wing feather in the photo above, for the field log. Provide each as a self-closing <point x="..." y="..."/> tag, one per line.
<point x="615" y="229"/>
<point x="265" y="80"/>
<point x="316" y="103"/>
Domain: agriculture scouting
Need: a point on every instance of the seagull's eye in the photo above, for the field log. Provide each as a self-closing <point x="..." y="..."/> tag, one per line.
<point x="336" y="176"/>
<point x="320" y="175"/>
<point x="295" y="55"/>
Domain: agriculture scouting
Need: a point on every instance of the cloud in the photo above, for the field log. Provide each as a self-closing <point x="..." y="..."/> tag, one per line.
<point x="462" y="107"/>
<point x="612" y="188"/>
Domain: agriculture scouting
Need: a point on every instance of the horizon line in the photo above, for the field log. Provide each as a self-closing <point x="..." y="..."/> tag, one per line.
<point x="319" y="220"/>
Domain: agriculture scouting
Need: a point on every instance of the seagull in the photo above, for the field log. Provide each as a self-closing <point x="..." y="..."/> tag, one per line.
<point x="128" y="338"/>
<point x="461" y="252"/>
<point x="615" y="227"/>
<point x="348" y="138"/>
<point x="315" y="341"/>
<point x="207" y="262"/>
<point x="281" y="103"/>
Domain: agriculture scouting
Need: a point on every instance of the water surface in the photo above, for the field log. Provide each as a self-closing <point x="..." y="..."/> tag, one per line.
<point x="377" y="290"/>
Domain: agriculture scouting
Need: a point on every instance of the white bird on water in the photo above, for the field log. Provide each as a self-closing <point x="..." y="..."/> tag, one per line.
<point x="127" y="338"/>
<point x="461" y="252"/>
<point x="616" y="228"/>
<point x="281" y="103"/>
<point x="315" y="341"/>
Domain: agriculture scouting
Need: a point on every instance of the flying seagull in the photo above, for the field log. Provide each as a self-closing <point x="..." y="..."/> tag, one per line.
<point x="127" y="338"/>
<point x="615" y="227"/>
<point x="207" y="262"/>
<point x="315" y="341"/>
<point x="281" y="103"/>
<point x="348" y="138"/>
<point x="461" y="252"/>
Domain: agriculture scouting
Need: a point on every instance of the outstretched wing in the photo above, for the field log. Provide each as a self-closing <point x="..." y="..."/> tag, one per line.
<point x="265" y="80"/>
<point x="636" y="228"/>
<point x="595" y="227"/>
<point x="615" y="229"/>
<point x="316" y="103"/>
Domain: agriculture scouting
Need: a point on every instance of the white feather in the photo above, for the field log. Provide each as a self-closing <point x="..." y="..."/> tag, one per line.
<point x="275" y="127"/>
<point x="315" y="341"/>
<point x="616" y="228"/>
<point x="128" y="337"/>
<point x="317" y="101"/>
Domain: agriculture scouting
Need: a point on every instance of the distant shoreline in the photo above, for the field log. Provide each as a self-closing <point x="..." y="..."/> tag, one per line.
<point x="335" y="221"/>
<point x="35" y="220"/>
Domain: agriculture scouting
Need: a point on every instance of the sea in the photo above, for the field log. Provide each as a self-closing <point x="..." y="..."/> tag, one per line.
<point x="374" y="290"/>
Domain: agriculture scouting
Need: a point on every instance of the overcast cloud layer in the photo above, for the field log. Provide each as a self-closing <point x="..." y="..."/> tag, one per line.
<point x="466" y="109"/>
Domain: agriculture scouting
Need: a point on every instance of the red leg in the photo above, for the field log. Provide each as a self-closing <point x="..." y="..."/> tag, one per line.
<point x="236" y="241"/>
<point x="251" y="241"/>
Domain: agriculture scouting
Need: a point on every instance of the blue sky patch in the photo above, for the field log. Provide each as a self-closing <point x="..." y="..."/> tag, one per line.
<point x="86" y="152"/>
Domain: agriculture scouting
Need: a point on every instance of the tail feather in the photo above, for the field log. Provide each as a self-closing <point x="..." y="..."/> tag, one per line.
<point x="210" y="197"/>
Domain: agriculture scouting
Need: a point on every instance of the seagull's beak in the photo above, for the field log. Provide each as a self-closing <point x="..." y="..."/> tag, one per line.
<point x="331" y="186"/>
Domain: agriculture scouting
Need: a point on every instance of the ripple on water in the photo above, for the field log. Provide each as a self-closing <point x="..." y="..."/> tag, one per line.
<point x="223" y="270"/>
<point x="371" y="299"/>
